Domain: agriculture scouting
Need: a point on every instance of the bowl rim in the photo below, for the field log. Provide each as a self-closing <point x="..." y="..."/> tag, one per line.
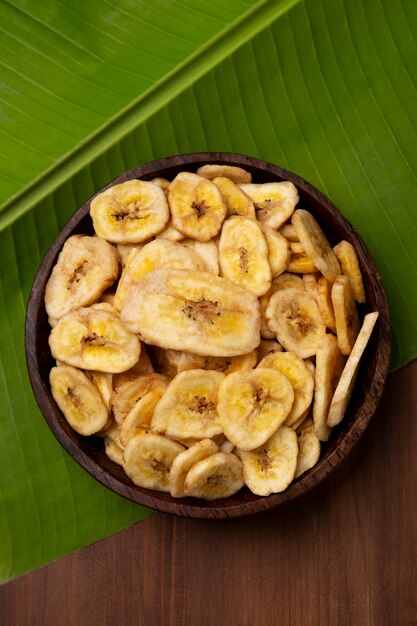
<point x="189" y="507"/>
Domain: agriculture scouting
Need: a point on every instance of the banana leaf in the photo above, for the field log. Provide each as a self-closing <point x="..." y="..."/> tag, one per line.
<point x="326" y="88"/>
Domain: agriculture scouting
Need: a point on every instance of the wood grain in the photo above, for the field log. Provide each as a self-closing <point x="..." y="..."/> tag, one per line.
<point x="89" y="451"/>
<point x="343" y="555"/>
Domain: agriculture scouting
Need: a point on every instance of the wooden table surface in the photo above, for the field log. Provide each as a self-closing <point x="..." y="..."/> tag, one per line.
<point x="344" y="555"/>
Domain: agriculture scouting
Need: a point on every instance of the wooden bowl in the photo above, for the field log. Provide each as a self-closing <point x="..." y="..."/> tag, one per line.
<point x="89" y="451"/>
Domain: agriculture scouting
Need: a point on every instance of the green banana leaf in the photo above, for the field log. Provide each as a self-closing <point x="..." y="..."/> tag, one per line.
<point x="326" y="88"/>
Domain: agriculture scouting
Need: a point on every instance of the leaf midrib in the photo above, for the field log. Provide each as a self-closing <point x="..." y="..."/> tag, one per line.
<point x="156" y="97"/>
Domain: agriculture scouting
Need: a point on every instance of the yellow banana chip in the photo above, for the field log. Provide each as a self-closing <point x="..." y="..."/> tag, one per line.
<point x="243" y="254"/>
<point x="130" y="212"/>
<point x="252" y="405"/>
<point x="193" y="311"/>
<point x="197" y="206"/>
<point x="86" y="267"/>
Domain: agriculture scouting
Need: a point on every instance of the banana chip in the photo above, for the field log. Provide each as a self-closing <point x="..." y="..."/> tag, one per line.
<point x="79" y="400"/>
<point x="170" y="233"/>
<point x="236" y="201"/>
<point x="86" y="267"/>
<point x="208" y="253"/>
<point x="308" y="448"/>
<point x="130" y="212"/>
<point x="185" y="461"/>
<point x="270" y="468"/>
<point x="125" y="249"/>
<point x="140" y="416"/>
<point x="113" y="451"/>
<point x="244" y="254"/>
<point x="157" y="254"/>
<point x="329" y="366"/>
<point x="279" y="251"/>
<point x="300" y="378"/>
<point x="288" y="231"/>
<point x="252" y="405"/>
<point x="162" y="183"/>
<point x="166" y="361"/>
<point x="315" y="244"/>
<point x="227" y="365"/>
<point x="295" y="319"/>
<point x="346" y="315"/>
<point x="324" y="300"/>
<point x="282" y="281"/>
<point x="148" y="459"/>
<point x="300" y="262"/>
<point x="197" y="206"/>
<point x="233" y="173"/>
<point x="189" y="406"/>
<point x="348" y="259"/>
<point x="274" y="202"/>
<point x="268" y="347"/>
<point x="344" y="388"/>
<point x="127" y="395"/>
<point x="193" y="311"/>
<point x="217" y="476"/>
<point x="94" y="340"/>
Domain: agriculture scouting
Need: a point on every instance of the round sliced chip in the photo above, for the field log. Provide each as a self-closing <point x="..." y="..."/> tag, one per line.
<point x="280" y="282"/>
<point x="79" y="400"/>
<point x="185" y="461"/>
<point x="197" y="206"/>
<point x="86" y="267"/>
<point x="140" y="416"/>
<point x="300" y="378"/>
<point x="217" y="476"/>
<point x="270" y="468"/>
<point x="295" y="319"/>
<point x="236" y="174"/>
<point x="252" y="405"/>
<point x="243" y="254"/>
<point x="94" y="340"/>
<point x="129" y="212"/>
<point x="148" y="459"/>
<point x="274" y="202"/>
<point x="193" y="311"/>
<point x="156" y="254"/>
<point x="189" y="406"/>
<point x="315" y="244"/>
<point x="128" y="394"/>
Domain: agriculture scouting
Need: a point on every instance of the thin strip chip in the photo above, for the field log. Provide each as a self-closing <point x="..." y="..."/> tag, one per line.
<point x="345" y="386"/>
